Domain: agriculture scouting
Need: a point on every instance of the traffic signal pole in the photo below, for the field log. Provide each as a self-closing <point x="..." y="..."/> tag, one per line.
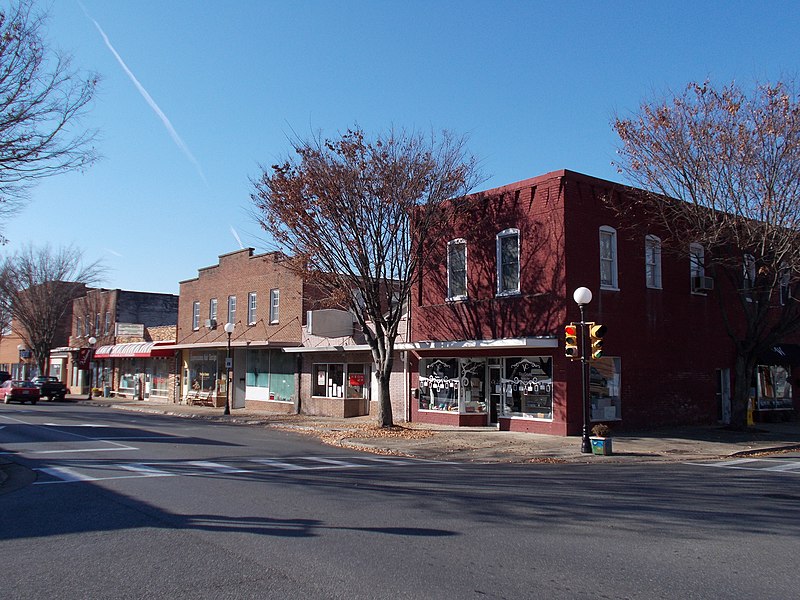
<point x="586" y="444"/>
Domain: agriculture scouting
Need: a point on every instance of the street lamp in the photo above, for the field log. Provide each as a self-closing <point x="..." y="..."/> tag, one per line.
<point x="229" y="330"/>
<point x="582" y="297"/>
<point x="92" y="341"/>
<point x="21" y="371"/>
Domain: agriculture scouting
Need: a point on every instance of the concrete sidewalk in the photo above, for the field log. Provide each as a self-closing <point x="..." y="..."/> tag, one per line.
<point x="488" y="445"/>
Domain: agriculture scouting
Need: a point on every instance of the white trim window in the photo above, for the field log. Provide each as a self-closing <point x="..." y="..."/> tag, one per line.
<point x="652" y="261"/>
<point x="79" y="327"/>
<point x="231" y="309"/>
<point x="212" y="310"/>
<point x="508" y="262"/>
<point x="252" y="304"/>
<point x="697" y="266"/>
<point x="196" y="315"/>
<point x="107" y="327"/>
<point x="457" y="269"/>
<point x="274" y="305"/>
<point x="608" y="258"/>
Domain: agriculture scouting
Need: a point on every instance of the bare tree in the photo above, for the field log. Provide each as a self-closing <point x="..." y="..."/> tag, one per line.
<point x="355" y="214"/>
<point x="723" y="170"/>
<point x="37" y="287"/>
<point x="41" y="102"/>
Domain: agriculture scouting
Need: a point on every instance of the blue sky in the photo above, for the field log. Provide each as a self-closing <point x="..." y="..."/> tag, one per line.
<point x="534" y="85"/>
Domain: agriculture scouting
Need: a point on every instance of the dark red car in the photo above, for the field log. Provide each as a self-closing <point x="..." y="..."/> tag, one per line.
<point x="19" y="391"/>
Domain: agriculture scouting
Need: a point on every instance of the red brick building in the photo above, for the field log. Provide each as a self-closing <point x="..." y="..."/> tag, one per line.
<point x="290" y="350"/>
<point x="130" y="330"/>
<point x="487" y="322"/>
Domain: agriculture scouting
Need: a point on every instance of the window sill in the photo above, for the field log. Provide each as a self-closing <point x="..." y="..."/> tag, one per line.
<point x="508" y="294"/>
<point x="457" y="299"/>
<point x="610" y="288"/>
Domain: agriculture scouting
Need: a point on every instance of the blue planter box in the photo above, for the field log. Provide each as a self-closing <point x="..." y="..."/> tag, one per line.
<point x="601" y="446"/>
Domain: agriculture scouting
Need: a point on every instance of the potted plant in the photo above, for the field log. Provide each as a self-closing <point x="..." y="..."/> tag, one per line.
<point x="601" y="439"/>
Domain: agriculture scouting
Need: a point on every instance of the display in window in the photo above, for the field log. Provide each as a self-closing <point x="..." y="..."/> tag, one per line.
<point x="527" y="388"/>
<point x="774" y="388"/>
<point x="604" y="389"/>
<point x="439" y="385"/>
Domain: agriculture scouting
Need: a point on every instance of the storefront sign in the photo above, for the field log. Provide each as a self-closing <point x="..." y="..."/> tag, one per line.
<point x="129" y="329"/>
<point x="356" y="379"/>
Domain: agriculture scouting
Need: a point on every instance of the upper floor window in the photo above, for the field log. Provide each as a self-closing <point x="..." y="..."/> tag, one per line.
<point x="78" y="327"/>
<point x="457" y="269"/>
<point x="697" y="269"/>
<point x="97" y="323"/>
<point x="196" y="315"/>
<point x="508" y="262"/>
<point x="608" y="258"/>
<point x="231" y="309"/>
<point x="652" y="261"/>
<point x="748" y="271"/>
<point x="251" y="308"/>
<point x="88" y="325"/>
<point x="107" y="327"/>
<point x="212" y="309"/>
<point x="274" y="305"/>
<point x="785" y="280"/>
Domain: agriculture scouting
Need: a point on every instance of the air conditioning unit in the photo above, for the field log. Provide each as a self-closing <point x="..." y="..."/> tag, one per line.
<point x="702" y="284"/>
<point x="211" y="323"/>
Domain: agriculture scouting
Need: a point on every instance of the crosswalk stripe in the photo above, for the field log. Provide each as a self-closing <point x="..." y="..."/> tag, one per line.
<point x="146" y="470"/>
<point x="792" y="466"/>
<point x="331" y="461"/>
<point x="740" y="461"/>
<point x="279" y="464"/>
<point x="66" y="474"/>
<point x="219" y="468"/>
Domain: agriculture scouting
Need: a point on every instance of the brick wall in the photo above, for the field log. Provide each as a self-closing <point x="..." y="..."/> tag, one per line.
<point x="238" y="274"/>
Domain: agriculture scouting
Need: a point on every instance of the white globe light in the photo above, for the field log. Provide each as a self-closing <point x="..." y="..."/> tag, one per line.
<point x="582" y="295"/>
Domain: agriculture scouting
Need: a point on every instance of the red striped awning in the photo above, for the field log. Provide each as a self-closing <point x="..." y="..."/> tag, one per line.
<point x="134" y="350"/>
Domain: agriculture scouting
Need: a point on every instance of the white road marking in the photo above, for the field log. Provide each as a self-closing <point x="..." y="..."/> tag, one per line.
<point x="120" y="448"/>
<point x="219" y="468"/>
<point x="146" y="470"/>
<point x="331" y="461"/>
<point x="66" y="474"/>
<point x="270" y="462"/>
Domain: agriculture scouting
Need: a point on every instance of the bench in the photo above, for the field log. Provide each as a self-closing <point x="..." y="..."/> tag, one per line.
<point x="199" y="398"/>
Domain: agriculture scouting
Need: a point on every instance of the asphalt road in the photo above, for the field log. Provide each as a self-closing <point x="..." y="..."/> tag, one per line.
<point x="129" y="505"/>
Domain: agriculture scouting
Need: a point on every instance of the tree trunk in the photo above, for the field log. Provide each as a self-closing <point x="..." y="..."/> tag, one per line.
<point x="743" y="377"/>
<point x="385" y="418"/>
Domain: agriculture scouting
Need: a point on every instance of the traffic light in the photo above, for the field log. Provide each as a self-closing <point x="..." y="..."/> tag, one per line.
<point x="596" y="333"/>
<point x="571" y="341"/>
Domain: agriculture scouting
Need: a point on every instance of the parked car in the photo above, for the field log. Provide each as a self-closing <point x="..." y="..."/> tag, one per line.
<point x="50" y="387"/>
<point x="19" y="391"/>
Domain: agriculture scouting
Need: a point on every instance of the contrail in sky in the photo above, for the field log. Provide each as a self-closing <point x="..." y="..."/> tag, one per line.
<point x="238" y="239"/>
<point x="174" y="134"/>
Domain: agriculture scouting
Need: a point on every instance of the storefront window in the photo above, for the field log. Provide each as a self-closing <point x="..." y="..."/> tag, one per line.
<point x="473" y="385"/>
<point x="604" y="389"/>
<point x="774" y="388"/>
<point x="357" y="381"/>
<point x="270" y="370"/>
<point x="527" y="388"/>
<point x="439" y="384"/>
<point x="329" y="380"/>
<point x="203" y="371"/>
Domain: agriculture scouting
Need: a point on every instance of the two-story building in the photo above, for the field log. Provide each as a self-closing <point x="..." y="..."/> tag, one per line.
<point x="256" y="321"/>
<point x="488" y="321"/>
<point x="130" y="331"/>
